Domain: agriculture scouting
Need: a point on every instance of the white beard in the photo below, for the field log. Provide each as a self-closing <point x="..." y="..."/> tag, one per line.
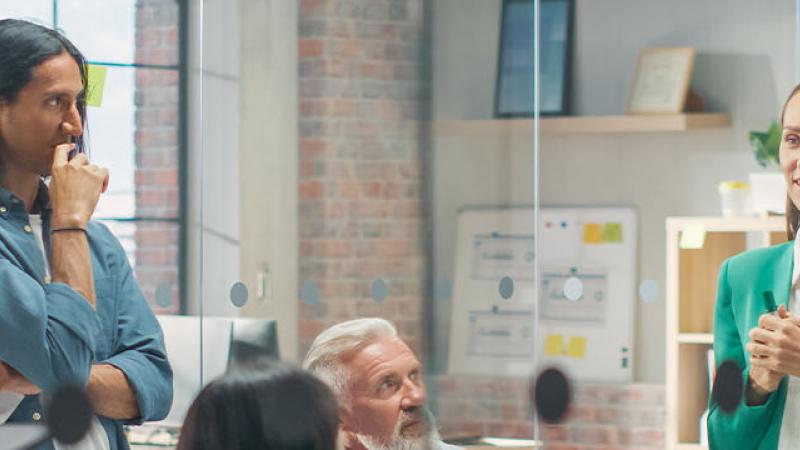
<point x="428" y="440"/>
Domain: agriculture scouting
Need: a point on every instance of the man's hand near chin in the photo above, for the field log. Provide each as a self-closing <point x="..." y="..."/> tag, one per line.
<point x="13" y="381"/>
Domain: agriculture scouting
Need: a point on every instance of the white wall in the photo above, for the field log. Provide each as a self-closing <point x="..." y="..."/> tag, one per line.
<point x="268" y="163"/>
<point x="745" y="66"/>
<point x="242" y="179"/>
<point x="214" y="156"/>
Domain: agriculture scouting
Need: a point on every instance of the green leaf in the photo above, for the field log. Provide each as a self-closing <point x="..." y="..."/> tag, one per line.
<point x="766" y="145"/>
<point x="773" y="143"/>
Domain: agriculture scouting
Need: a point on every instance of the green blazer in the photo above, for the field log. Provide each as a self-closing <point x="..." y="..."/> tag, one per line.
<point x="742" y="282"/>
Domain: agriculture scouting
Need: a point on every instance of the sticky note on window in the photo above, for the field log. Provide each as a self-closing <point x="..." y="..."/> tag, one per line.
<point x="554" y="345"/>
<point x="576" y="347"/>
<point x="612" y="233"/>
<point x="96" y="85"/>
<point x="693" y="237"/>
<point x="592" y="233"/>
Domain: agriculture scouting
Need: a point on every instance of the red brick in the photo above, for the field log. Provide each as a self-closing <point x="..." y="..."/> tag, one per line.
<point x="310" y="47"/>
<point x="345" y="48"/>
<point x="592" y="435"/>
<point x="310" y="8"/>
<point x="311" y="190"/>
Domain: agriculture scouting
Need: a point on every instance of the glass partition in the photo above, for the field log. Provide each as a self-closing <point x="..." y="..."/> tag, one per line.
<point x="353" y="165"/>
<point x="351" y="162"/>
<point x="537" y="194"/>
<point x="662" y="103"/>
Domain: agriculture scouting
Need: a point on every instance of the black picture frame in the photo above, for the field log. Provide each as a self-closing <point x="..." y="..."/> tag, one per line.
<point x="514" y="96"/>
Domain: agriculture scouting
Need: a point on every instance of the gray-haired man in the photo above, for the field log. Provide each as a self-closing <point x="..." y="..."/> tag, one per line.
<point x="378" y="382"/>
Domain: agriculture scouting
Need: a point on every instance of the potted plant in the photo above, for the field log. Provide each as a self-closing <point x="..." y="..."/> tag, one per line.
<point x="768" y="188"/>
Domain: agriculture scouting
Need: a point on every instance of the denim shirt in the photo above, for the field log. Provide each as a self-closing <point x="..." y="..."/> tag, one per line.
<point x="50" y="333"/>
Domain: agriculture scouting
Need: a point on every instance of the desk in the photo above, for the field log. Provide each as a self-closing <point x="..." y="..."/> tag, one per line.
<point x="492" y="447"/>
<point x="151" y="447"/>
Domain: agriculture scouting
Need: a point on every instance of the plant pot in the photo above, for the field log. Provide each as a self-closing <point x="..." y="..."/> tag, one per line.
<point x="769" y="192"/>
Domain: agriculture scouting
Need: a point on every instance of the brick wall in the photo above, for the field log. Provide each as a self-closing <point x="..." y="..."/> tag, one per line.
<point x="360" y="162"/>
<point x="156" y="177"/>
<point x="360" y="219"/>
<point x="602" y="416"/>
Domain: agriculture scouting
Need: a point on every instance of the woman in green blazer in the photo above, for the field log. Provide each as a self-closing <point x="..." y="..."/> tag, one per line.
<point x="765" y="345"/>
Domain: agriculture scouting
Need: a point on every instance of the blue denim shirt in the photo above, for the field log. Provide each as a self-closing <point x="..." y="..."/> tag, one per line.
<point x="50" y="333"/>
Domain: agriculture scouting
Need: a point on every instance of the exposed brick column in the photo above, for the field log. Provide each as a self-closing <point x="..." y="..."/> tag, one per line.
<point x="360" y="165"/>
<point x="156" y="177"/>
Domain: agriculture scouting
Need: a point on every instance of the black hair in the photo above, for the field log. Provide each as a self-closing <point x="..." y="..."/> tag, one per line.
<point x="23" y="46"/>
<point x="265" y="407"/>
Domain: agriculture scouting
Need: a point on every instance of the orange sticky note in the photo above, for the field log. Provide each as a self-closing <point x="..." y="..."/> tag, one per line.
<point x="592" y="233"/>
<point x="554" y="345"/>
<point x="576" y="347"/>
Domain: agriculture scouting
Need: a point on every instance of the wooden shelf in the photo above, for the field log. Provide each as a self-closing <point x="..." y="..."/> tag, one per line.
<point x="691" y="293"/>
<point x="696" y="338"/>
<point x="586" y="124"/>
<point x="728" y="224"/>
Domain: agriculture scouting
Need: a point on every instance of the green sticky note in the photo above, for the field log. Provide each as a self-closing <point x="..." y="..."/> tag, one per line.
<point x="612" y="232"/>
<point x="693" y="237"/>
<point x="96" y="85"/>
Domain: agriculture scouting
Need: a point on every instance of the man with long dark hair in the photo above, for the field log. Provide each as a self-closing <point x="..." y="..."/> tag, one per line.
<point x="70" y="308"/>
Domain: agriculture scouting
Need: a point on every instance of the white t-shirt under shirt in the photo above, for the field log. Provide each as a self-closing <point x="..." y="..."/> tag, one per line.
<point x="96" y="438"/>
<point x="790" y="426"/>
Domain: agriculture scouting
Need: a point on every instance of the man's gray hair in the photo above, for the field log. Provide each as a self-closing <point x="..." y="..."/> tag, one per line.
<point x="333" y="346"/>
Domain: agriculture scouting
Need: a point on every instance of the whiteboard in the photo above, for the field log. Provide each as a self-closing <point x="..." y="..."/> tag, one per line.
<point x="584" y="301"/>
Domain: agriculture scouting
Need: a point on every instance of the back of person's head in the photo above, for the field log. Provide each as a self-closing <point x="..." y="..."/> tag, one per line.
<point x="25" y="45"/>
<point x="333" y="346"/>
<point x="262" y="407"/>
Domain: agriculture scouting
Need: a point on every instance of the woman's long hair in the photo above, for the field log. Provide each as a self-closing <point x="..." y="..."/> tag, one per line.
<point x="266" y="408"/>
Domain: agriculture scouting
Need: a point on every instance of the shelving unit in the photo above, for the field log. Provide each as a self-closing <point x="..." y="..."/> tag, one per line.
<point x="587" y="124"/>
<point x="691" y="293"/>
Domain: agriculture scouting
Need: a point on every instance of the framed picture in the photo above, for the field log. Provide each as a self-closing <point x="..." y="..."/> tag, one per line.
<point x="661" y="82"/>
<point x="514" y="90"/>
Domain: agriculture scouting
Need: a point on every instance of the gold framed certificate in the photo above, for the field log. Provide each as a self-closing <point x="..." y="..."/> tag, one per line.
<point x="661" y="82"/>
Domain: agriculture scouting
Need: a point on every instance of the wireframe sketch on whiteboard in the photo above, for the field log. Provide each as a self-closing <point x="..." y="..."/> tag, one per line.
<point x="590" y="306"/>
<point x="497" y="255"/>
<point x="576" y="312"/>
<point x="501" y="334"/>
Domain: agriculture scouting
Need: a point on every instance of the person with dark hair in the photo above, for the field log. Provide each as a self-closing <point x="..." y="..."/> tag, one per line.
<point x="265" y="408"/>
<point x="70" y="308"/>
<point x="757" y="324"/>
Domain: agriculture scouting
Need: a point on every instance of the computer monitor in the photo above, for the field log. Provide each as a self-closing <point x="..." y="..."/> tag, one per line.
<point x="253" y="339"/>
<point x="227" y="343"/>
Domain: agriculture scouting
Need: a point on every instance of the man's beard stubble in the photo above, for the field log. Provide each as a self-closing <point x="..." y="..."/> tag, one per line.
<point x="428" y="438"/>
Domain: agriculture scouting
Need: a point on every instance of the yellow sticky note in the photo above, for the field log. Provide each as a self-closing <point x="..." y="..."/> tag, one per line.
<point x="554" y="345"/>
<point x="612" y="232"/>
<point x="693" y="237"/>
<point x="592" y="233"/>
<point x="576" y="347"/>
<point x="96" y="84"/>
